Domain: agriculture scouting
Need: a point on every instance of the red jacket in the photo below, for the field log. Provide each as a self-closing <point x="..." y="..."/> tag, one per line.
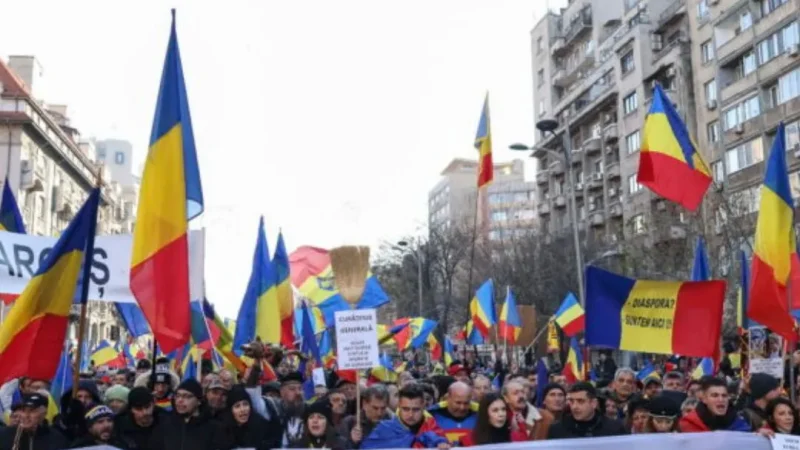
<point x="692" y="423"/>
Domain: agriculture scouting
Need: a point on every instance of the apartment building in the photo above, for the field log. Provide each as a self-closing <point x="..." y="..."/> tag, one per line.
<point x="509" y="207"/>
<point x="595" y="64"/>
<point x="747" y="79"/>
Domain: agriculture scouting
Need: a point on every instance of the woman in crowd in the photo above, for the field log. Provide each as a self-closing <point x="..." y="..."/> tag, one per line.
<point x="318" y="432"/>
<point x="244" y="428"/>
<point x="494" y="424"/>
<point x="663" y="415"/>
<point x="782" y="417"/>
<point x="636" y="416"/>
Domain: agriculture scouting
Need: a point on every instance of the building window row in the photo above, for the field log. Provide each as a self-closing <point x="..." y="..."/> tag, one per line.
<point x="633" y="142"/>
<point x="744" y="155"/>
<point x="742" y="112"/>
<point x="630" y="103"/>
<point x="778" y="43"/>
<point x="633" y="185"/>
<point x="510" y="197"/>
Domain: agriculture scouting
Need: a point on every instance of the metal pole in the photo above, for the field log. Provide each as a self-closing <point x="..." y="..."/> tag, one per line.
<point x="574" y="213"/>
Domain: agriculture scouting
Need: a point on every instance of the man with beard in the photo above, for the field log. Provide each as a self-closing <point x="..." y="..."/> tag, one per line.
<point x="292" y="406"/>
<point x="135" y="426"/>
<point x="411" y="428"/>
<point x="99" y="429"/>
<point x="190" y="426"/>
<point x="34" y="433"/>
<point x="216" y="396"/>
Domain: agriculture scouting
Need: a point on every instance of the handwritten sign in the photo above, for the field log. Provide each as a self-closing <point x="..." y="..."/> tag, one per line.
<point x="356" y="339"/>
<point x="785" y="442"/>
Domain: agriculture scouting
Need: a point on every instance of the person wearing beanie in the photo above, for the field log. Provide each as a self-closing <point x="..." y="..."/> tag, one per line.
<point x="763" y="387"/>
<point x="136" y="424"/>
<point x="555" y="397"/>
<point x="99" y="429"/>
<point x="318" y="431"/>
<point x="190" y="425"/>
<point x="244" y="428"/>
<point x="663" y="415"/>
<point x="117" y="398"/>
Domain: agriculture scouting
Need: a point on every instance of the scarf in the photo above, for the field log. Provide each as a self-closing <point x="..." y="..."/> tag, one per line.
<point x="714" y="422"/>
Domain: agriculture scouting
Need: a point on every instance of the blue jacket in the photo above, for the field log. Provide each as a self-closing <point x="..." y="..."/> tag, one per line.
<point x="392" y="433"/>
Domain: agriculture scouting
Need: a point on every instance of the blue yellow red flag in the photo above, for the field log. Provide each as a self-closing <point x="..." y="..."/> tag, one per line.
<point x="224" y="338"/>
<point x="283" y="286"/>
<point x="449" y="352"/>
<point x="104" y="354"/>
<point x="664" y="317"/>
<point x="309" y="346"/>
<point x="434" y="347"/>
<point x="483" y="143"/>
<point x="701" y="270"/>
<point x="133" y="319"/>
<point x="648" y="371"/>
<point x="170" y="195"/>
<point x="669" y="163"/>
<point x="570" y="316"/>
<point x="574" y="368"/>
<point x="10" y="217"/>
<point x="421" y="329"/>
<point x="509" y="326"/>
<point x="775" y="258"/>
<point x="481" y="308"/>
<point x="32" y="335"/>
<point x="62" y="381"/>
<point x="704" y="368"/>
<point x="474" y="337"/>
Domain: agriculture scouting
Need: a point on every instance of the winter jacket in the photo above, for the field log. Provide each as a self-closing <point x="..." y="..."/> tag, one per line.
<point x="88" y="441"/>
<point x="454" y="428"/>
<point x="136" y="437"/>
<point x="394" y="434"/>
<point x="515" y="435"/>
<point x="598" y="426"/>
<point x="349" y="423"/>
<point x="755" y="416"/>
<point x="701" y="420"/>
<point x="199" y="432"/>
<point x="44" y="438"/>
<point x="258" y="433"/>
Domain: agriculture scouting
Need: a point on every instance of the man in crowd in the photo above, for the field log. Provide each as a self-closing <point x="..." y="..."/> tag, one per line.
<point x="584" y="420"/>
<point x="409" y="428"/>
<point x="338" y="402"/>
<point x="190" y="426"/>
<point x="457" y="415"/>
<point x="216" y="396"/>
<point x="673" y="381"/>
<point x="481" y="385"/>
<point x="623" y="388"/>
<point x="374" y="402"/>
<point x="713" y="413"/>
<point x="763" y="387"/>
<point x="523" y="412"/>
<point x="32" y="432"/>
<point x="554" y="400"/>
<point x="137" y="423"/>
<point x="99" y="429"/>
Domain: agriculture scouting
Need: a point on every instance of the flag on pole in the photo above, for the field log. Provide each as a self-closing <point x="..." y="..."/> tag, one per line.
<point x="669" y="163"/>
<point x="483" y="143"/>
<point x="10" y="217"/>
<point x="170" y="196"/>
<point x="775" y="259"/>
<point x="283" y="286"/>
<point x="449" y="352"/>
<point x="701" y="271"/>
<point x="482" y="309"/>
<point x="742" y="294"/>
<point x="510" y="325"/>
<point x="574" y="368"/>
<point x="570" y="316"/>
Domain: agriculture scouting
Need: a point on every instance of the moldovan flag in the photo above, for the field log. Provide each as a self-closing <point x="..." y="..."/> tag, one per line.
<point x="170" y="195"/>
<point x="32" y="335"/>
<point x="669" y="163"/>
<point x="283" y="286"/>
<point x="481" y="308"/>
<point x="665" y="317"/>
<point x="510" y="325"/>
<point x="483" y="143"/>
<point x="570" y="316"/>
<point x="574" y="369"/>
<point x="775" y="258"/>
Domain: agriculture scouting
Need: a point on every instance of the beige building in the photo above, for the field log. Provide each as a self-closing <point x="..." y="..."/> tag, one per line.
<point x="510" y="206"/>
<point x="595" y="64"/>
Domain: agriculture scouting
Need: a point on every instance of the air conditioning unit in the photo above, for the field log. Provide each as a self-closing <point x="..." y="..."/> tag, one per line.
<point x="793" y="50"/>
<point x="712" y="104"/>
<point x="739" y="129"/>
<point x="579" y="186"/>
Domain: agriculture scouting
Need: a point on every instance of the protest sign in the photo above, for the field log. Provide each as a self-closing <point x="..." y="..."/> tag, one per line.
<point x="318" y="376"/>
<point x="785" y="442"/>
<point x="765" y="348"/>
<point x="356" y="339"/>
<point x="21" y="254"/>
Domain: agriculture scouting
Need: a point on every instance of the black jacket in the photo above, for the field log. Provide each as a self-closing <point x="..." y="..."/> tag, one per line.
<point x="199" y="432"/>
<point x="366" y="428"/>
<point x="45" y="438"/>
<point x="88" y="441"/>
<point x="134" y="436"/>
<point x="599" y="426"/>
<point x="258" y="432"/>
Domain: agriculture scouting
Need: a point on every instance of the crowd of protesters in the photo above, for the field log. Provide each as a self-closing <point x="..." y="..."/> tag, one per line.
<point x="457" y="406"/>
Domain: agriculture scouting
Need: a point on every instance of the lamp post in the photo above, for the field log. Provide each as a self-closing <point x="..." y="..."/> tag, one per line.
<point x="549" y="125"/>
<point x="418" y="259"/>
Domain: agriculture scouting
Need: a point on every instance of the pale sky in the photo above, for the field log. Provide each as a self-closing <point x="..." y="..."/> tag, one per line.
<point x="333" y="119"/>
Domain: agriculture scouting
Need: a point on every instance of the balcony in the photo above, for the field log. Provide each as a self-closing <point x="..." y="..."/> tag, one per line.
<point x="778" y="16"/>
<point x="612" y="169"/>
<point x="556" y="168"/>
<point x="580" y="23"/>
<point x="560" y="78"/>
<point x="560" y="201"/>
<point x="778" y="65"/>
<point x="558" y="46"/>
<point x="669" y="233"/>
<point x="542" y="177"/>
<point x="773" y="116"/>
<point x="596" y="183"/>
<point x="743" y="130"/>
<point x="611" y="133"/>
<point x="577" y="156"/>
<point x="592" y="145"/>
<point x="734" y="47"/>
<point x="739" y="86"/>
<point x="578" y="190"/>
<point x="597" y="219"/>
<point x="544" y="209"/>
<point x="670" y="14"/>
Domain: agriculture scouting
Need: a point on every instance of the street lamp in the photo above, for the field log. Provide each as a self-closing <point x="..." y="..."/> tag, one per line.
<point x="407" y="246"/>
<point x="549" y="126"/>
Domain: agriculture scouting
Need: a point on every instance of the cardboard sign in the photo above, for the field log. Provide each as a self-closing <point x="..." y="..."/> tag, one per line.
<point x="356" y="339"/>
<point x="785" y="442"/>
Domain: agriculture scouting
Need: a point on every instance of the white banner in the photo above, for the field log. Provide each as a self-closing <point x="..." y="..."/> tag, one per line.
<point x="21" y="254"/>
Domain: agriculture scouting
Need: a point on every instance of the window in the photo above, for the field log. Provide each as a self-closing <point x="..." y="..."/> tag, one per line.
<point x="702" y="9"/>
<point x="789" y="86"/>
<point x="119" y="158"/>
<point x="742" y="112"/>
<point x="540" y="78"/>
<point x="767" y="6"/>
<point x="627" y="62"/>
<point x="771" y="96"/>
<point x="778" y="43"/>
<point x="499" y="216"/>
<point x="630" y="103"/>
<point x="745" y="201"/>
<point x="524" y="214"/>
<point x="539" y="45"/>
<point x="712" y="130"/>
<point x="633" y="185"/>
<point x="744" y="155"/>
<point x="711" y="91"/>
<point x="745" y="20"/>
<point x="718" y="170"/>
<point x="632" y="142"/>
<point x="792" y="134"/>
<point x="707" y="51"/>
<point x="637" y="224"/>
<point x="748" y="64"/>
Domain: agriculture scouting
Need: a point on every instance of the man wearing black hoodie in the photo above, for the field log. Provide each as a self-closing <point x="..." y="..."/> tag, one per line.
<point x="135" y="426"/>
<point x="763" y="388"/>
<point x="583" y="420"/>
<point x="189" y="426"/>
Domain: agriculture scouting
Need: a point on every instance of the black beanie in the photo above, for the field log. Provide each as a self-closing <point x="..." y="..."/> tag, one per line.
<point x="140" y="397"/>
<point x="550" y="386"/>
<point x="761" y="384"/>
<point x="319" y="407"/>
<point x="192" y="386"/>
<point x="238" y="394"/>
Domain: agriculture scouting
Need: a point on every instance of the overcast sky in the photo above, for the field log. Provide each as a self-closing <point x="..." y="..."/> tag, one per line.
<point x="333" y="119"/>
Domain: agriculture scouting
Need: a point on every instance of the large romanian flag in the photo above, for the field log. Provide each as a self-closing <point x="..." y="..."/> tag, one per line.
<point x="10" y="217"/>
<point x="483" y="143"/>
<point x="313" y="277"/>
<point x="32" y="335"/>
<point x="570" y="316"/>
<point x="775" y="259"/>
<point x="669" y="163"/>
<point x="481" y="308"/>
<point x="510" y="326"/>
<point x="283" y="286"/>
<point x="170" y="195"/>
<point x="665" y="317"/>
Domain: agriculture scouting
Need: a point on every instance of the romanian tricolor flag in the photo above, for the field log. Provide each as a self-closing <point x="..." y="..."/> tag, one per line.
<point x="421" y="330"/>
<point x="449" y="352"/>
<point x="388" y="335"/>
<point x="570" y="316"/>
<point x="224" y="342"/>
<point x="317" y="320"/>
<point x="775" y="258"/>
<point x="483" y="143"/>
<point x="474" y="337"/>
<point x="10" y="217"/>
<point x="664" y="317"/>
<point x="313" y="277"/>
<point x="482" y="310"/>
<point x="648" y="371"/>
<point x="574" y="369"/>
<point x="669" y="163"/>
<point x="280" y="261"/>
<point x="705" y="368"/>
<point x="258" y="313"/>
<point x="106" y="355"/>
<point x="32" y="335"/>
<point x="385" y="373"/>
<point x="326" y="350"/>
<point x="133" y="318"/>
<point x="434" y="347"/>
<point x="510" y="325"/>
<point x="170" y="195"/>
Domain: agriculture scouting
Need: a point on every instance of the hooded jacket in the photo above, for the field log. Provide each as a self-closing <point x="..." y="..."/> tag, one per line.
<point x="258" y="433"/>
<point x="701" y="420"/>
<point x="454" y="428"/>
<point x="200" y="432"/>
<point x="394" y="434"/>
<point x="136" y="437"/>
<point x="44" y="438"/>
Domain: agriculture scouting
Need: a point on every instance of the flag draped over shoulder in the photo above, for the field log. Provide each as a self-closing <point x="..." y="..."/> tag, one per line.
<point x="665" y="317"/>
<point x="171" y="194"/>
<point x="775" y="259"/>
<point x="32" y="335"/>
<point x="483" y="143"/>
<point x="510" y="325"/>
<point x="482" y="310"/>
<point x="283" y="286"/>
<point x="669" y="163"/>
<point x="10" y="217"/>
<point x="312" y="275"/>
<point x="570" y="316"/>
